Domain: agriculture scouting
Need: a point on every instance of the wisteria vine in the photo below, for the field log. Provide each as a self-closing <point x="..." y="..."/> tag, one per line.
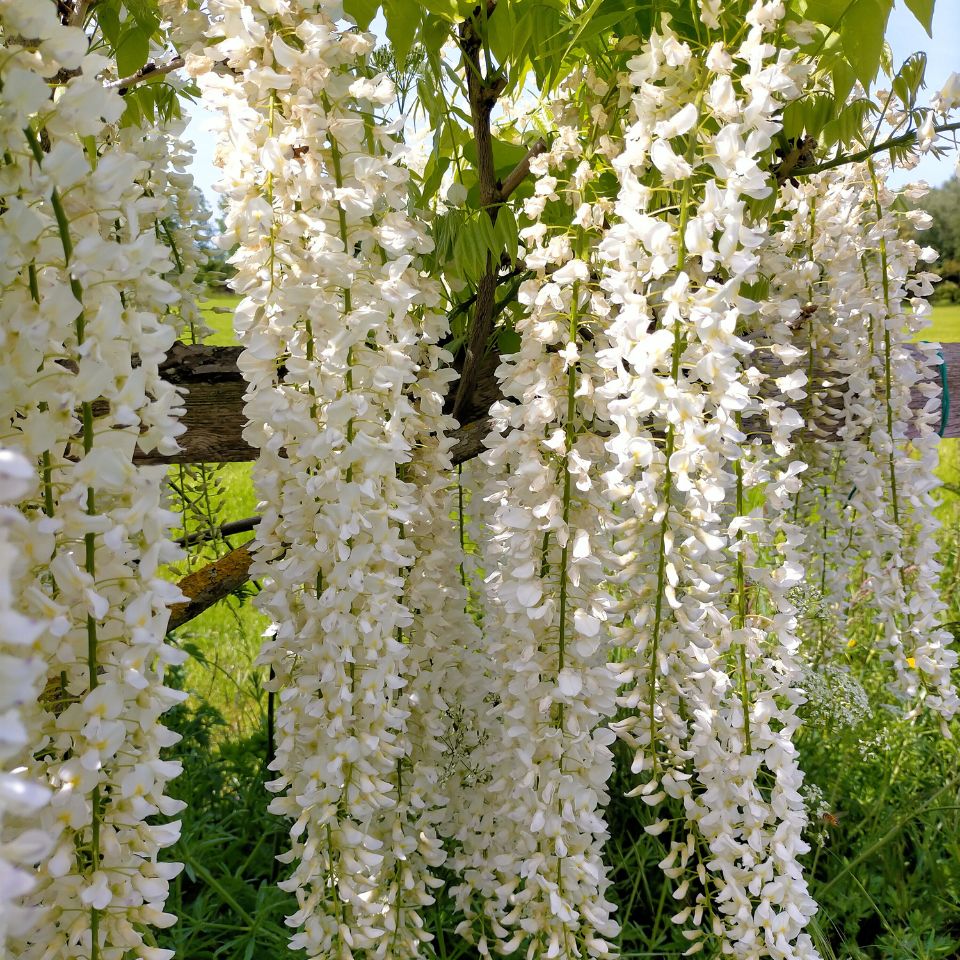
<point x="626" y="573"/>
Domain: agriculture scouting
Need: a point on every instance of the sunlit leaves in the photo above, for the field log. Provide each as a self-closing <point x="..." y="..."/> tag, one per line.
<point x="923" y="11"/>
<point x="858" y="25"/>
<point x="861" y="31"/>
<point x="132" y="51"/>
<point x="362" y="11"/>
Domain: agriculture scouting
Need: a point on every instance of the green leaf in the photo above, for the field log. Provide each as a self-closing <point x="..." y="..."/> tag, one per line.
<point x="132" y="52"/>
<point x="469" y="249"/>
<point x="508" y="341"/>
<point x="809" y="116"/>
<point x="505" y="234"/>
<point x="441" y="8"/>
<point x="148" y="102"/>
<point x="486" y="237"/>
<point x="546" y="44"/>
<point x="403" y="19"/>
<point x="506" y="155"/>
<point x="362" y="11"/>
<point x="145" y="14"/>
<point x="131" y="113"/>
<point x="923" y="11"/>
<point x="827" y="12"/>
<point x="843" y="80"/>
<point x="433" y="175"/>
<point x="501" y="32"/>
<point x="109" y="22"/>
<point x="434" y="32"/>
<point x="861" y="34"/>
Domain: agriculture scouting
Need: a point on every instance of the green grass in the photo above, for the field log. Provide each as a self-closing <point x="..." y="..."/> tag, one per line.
<point x="218" y="311"/>
<point x="946" y="324"/>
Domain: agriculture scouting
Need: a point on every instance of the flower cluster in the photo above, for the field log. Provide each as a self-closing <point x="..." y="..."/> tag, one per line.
<point x="346" y="384"/>
<point x="168" y="179"/>
<point x="83" y="330"/>
<point x="639" y="502"/>
<point x="668" y="560"/>
<point x="866" y="505"/>
<point x="710" y="702"/>
<point x="530" y="854"/>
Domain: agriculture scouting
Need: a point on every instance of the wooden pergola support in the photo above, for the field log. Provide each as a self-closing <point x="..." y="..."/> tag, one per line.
<point x="214" y="410"/>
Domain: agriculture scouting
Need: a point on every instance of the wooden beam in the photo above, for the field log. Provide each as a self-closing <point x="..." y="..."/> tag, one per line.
<point x="214" y="406"/>
<point x="214" y="410"/>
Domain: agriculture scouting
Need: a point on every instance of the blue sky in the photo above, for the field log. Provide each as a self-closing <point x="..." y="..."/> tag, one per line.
<point x="905" y="36"/>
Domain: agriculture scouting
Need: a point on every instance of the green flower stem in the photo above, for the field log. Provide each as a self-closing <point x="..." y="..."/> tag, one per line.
<point x="89" y="539"/>
<point x="887" y="348"/>
<point x="46" y="466"/>
<point x="742" y="611"/>
<point x="678" y="344"/>
<point x="570" y="438"/>
<point x="337" y="161"/>
<point x="172" y="244"/>
<point x="570" y="432"/>
<point x="461" y="524"/>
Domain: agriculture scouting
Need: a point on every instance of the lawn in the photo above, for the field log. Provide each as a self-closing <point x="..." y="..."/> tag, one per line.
<point x="218" y="312"/>
<point x="946" y="324"/>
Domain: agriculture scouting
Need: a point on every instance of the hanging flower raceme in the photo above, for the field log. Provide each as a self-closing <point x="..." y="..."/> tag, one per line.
<point x="178" y="217"/>
<point x="710" y="699"/>
<point x="814" y="301"/>
<point x="82" y="329"/>
<point x="530" y="854"/>
<point x="343" y="365"/>
<point x="881" y="550"/>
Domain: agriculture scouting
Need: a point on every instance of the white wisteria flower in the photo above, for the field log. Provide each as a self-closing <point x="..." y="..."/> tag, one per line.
<point x="83" y="318"/>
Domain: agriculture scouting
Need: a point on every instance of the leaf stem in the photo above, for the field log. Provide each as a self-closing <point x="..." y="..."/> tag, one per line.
<point x="905" y="139"/>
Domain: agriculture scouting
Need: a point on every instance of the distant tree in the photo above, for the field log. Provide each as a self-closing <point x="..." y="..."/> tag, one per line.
<point x="943" y="204"/>
<point x="214" y="270"/>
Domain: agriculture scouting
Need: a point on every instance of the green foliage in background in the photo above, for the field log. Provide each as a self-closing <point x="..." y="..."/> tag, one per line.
<point x="943" y="205"/>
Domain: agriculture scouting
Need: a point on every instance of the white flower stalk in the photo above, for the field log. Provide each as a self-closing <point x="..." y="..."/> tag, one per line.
<point x="533" y="873"/>
<point x="22" y="843"/>
<point x="711" y="709"/>
<point x="860" y="501"/>
<point x="332" y="293"/>
<point x="814" y="305"/>
<point x="177" y="220"/>
<point x="891" y="530"/>
<point x="444" y="696"/>
<point x="185" y="23"/>
<point x="83" y="295"/>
